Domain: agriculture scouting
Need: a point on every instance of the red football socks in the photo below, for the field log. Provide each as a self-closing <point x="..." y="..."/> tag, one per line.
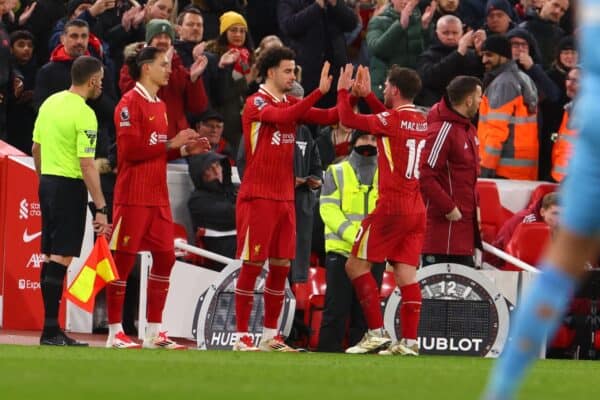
<point x="274" y="293"/>
<point x="115" y="291"/>
<point x="368" y="295"/>
<point x="244" y="294"/>
<point x="410" y="310"/>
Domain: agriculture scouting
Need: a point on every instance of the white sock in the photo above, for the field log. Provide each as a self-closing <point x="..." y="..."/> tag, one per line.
<point x="268" y="333"/>
<point x="113" y="329"/>
<point x="411" y="342"/>
<point x="152" y="329"/>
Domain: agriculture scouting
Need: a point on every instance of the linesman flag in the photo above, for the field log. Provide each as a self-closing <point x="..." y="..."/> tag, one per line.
<point x="98" y="270"/>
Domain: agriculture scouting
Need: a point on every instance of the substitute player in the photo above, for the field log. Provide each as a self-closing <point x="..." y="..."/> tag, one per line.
<point x="142" y="215"/>
<point x="576" y="241"/>
<point x="265" y="211"/>
<point x="394" y="231"/>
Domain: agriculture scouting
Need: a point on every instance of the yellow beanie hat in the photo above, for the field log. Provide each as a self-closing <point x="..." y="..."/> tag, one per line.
<point x="231" y="18"/>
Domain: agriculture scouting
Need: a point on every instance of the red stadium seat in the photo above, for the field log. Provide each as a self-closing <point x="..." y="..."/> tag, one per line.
<point x="563" y="339"/>
<point x="527" y="243"/>
<point x="540" y="191"/>
<point x="493" y="215"/>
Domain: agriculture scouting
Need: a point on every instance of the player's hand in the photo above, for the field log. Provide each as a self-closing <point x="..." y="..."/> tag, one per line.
<point x="184" y="137"/>
<point x="362" y="83"/>
<point x="345" y="79"/>
<point x="325" y="82"/>
<point x="200" y="146"/>
<point x="101" y="225"/>
<point x="454" y="215"/>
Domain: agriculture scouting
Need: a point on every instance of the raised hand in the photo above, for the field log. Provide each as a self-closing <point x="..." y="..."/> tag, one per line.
<point x="325" y="82"/>
<point x="321" y="3"/>
<point x="465" y="42"/>
<point x="428" y="14"/>
<point x="230" y="57"/>
<point x="478" y="38"/>
<point x="198" y="50"/>
<point x="345" y="79"/>
<point x="139" y="16"/>
<point x="101" y="6"/>
<point x="362" y="84"/>
<point x="26" y="14"/>
<point x="198" y="67"/>
<point x="406" y="12"/>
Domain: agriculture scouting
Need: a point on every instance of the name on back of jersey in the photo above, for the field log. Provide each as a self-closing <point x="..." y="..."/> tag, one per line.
<point x="413" y="126"/>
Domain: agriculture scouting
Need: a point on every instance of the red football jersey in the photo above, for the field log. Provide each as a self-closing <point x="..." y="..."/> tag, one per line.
<point x="269" y="127"/>
<point x="141" y="123"/>
<point x="401" y="137"/>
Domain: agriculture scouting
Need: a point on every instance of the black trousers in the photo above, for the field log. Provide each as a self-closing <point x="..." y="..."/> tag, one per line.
<point x="342" y="308"/>
<point x="430" y="259"/>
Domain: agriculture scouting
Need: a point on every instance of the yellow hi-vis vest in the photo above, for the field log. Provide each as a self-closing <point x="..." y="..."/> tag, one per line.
<point x="344" y="209"/>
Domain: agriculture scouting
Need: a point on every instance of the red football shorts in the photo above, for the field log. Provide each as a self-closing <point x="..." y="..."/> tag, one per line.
<point x="393" y="238"/>
<point x="139" y="228"/>
<point x="265" y="228"/>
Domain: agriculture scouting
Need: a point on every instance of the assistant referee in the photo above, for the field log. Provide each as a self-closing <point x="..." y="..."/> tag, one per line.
<point x="64" y="145"/>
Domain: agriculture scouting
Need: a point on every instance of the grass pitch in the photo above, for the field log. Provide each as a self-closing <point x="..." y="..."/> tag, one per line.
<point x="94" y="373"/>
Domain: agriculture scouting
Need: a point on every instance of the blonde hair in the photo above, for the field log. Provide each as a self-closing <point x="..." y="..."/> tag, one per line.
<point x="173" y="16"/>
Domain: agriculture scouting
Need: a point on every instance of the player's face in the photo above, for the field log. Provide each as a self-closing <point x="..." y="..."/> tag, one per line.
<point x="283" y="75"/>
<point x="490" y="60"/>
<point x="161" y="9"/>
<point x="192" y="28"/>
<point x="473" y="102"/>
<point x="236" y="35"/>
<point x="498" y="21"/>
<point x="95" y="84"/>
<point x="213" y="173"/>
<point x="161" y="41"/>
<point x="389" y="91"/>
<point x="449" y="33"/>
<point x="159" y="70"/>
<point x="75" y="40"/>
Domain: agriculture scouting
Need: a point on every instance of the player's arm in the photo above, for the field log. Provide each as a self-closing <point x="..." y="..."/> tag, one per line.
<point x="368" y="123"/>
<point x="435" y="154"/>
<point x="374" y="104"/>
<point x="328" y="116"/>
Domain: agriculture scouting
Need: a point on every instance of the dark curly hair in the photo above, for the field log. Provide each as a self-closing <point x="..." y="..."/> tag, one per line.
<point x="271" y="58"/>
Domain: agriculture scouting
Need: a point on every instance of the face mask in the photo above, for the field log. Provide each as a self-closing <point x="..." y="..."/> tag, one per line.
<point x="366" y="150"/>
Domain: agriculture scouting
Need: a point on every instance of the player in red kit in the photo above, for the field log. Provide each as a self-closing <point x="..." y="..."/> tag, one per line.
<point x="265" y="211"/>
<point x="394" y="231"/>
<point x="142" y="215"/>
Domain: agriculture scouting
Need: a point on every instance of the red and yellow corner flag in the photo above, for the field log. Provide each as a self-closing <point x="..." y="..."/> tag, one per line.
<point x="98" y="270"/>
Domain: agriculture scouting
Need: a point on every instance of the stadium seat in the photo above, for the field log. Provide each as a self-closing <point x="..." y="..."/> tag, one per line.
<point x="317" y="285"/>
<point x="563" y="339"/>
<point x="540" y="191"/>
<point x="527" y="243"/>
<point x="493" y="215"/>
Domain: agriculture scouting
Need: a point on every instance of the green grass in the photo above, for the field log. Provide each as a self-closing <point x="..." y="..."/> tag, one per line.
<point x="95" y="373"/>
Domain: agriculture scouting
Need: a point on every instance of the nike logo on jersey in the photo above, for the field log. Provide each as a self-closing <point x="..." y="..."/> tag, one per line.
<point x="28" y="238"/>
<point x="151" y="118"/>
<point x="466" y="146"/>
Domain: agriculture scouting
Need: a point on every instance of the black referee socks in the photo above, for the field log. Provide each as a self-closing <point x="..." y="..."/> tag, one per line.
<point x="52" y="277"/>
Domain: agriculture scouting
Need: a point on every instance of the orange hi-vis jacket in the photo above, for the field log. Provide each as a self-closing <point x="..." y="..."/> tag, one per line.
<point x="508" y="128"/>
<point x="563" y="147"/>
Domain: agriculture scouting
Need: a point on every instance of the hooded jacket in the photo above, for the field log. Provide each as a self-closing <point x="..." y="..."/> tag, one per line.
<point x="181" y="95"/>
<point x="448" y="180"/>
<point x="212" y="204"/>
<point x="508" y="127"/>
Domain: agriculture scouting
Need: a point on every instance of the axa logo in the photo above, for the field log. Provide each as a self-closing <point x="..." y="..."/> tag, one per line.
<point x="29" y="209"/>
<point x="35" y="261"/>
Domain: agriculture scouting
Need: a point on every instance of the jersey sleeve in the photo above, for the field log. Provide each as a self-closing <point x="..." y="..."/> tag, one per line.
<point x="130" y="141"/>
<point x="378" y="124"/>
<point x="86" y="127"/>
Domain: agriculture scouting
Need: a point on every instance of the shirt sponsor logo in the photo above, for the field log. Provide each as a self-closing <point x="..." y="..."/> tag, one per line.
<point x="156" y="138"/>
<point x="91" y="135"/>
<point x="413" y="126"/>
<point x="282" y="138"/>
<point x="27" y="209"/>
<point x="35" y="261"/>
<point x="27" y="284"/>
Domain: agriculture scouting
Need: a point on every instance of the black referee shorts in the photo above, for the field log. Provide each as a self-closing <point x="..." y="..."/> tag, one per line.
<point x="63" y="202"/>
